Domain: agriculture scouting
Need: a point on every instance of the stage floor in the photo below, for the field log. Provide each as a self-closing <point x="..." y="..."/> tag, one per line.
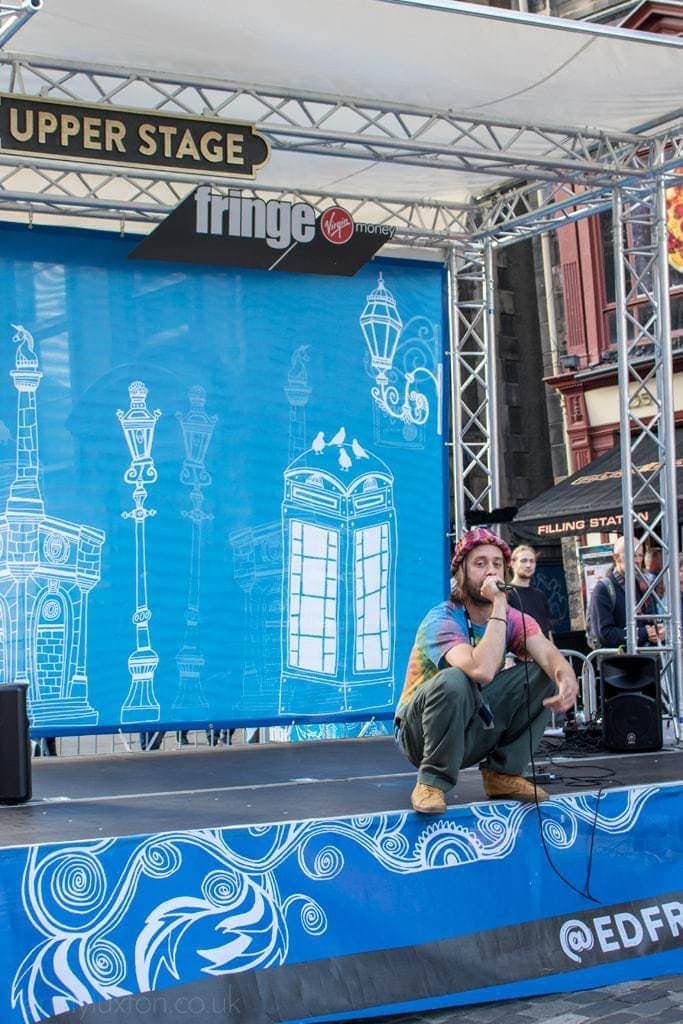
<point x="119" y="795"/>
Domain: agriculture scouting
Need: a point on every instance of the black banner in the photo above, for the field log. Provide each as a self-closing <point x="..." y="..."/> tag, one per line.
<point x="590" y="500"/>
<point x="74" y="131"/>
<point x="236" y="230"/>
<point x="361" y="981"/>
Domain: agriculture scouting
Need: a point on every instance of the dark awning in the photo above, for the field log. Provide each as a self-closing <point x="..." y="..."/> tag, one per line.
<point x="590" y="501"/>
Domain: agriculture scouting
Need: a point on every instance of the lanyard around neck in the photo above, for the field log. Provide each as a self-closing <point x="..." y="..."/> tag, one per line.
<point x="470" y="628"/>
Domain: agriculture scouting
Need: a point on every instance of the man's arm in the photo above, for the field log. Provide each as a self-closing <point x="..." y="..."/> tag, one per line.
<point x="483" y="662"/>
<point x="556" y="666"/>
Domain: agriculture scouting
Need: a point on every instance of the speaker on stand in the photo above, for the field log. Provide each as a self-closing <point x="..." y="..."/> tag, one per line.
<point x="15" y="747"/>
<point x="631" y="702"/>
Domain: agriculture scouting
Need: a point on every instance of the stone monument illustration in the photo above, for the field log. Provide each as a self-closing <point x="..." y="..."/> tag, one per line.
<point x="48" y="567"/>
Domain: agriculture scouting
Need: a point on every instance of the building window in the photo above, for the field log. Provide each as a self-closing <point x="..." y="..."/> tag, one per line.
<point x="575" y="409"/>
<point x="313" y="578"/>
<point x="371" y="598"/>
<point x="607" y="238"/>
<point x="639" y="308"/>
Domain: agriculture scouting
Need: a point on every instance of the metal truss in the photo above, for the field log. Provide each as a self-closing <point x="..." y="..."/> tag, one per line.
<point x="521" y="211"/>
<point x="646" y="416"/>
<point x="576" y="171"/>
<point x="45" y="186"/>
<point x="474" y="418"/>
<point x="360" y="128"/>
<point x="14" y="15"/>
<point x="581" y="165"/>
<point x="48" y="187"/>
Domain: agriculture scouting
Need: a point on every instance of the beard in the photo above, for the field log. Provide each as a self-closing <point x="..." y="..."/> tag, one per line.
<point x="472" y="592"/>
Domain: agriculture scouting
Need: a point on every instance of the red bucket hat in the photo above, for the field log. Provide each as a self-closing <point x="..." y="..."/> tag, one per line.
<point x="474" y="539"/>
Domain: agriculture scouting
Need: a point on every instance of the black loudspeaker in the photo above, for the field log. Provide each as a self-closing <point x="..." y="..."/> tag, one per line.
<point x="15" y="748"/>
<point x="631" y="702"/>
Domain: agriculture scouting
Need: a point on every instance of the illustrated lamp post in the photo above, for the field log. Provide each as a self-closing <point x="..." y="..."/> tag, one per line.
<point x="381" y="325"/>
<point x="138" y="426"/>
<point x="197" y="429"/>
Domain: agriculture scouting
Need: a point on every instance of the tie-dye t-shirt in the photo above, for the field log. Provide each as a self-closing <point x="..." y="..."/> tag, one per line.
<point x="446" y="626"/>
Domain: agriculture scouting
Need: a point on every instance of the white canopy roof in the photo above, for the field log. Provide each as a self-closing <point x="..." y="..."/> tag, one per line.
<point x="472" y="61"/>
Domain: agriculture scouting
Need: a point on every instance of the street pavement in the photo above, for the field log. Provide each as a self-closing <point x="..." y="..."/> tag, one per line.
<point x="657" y="1001"/>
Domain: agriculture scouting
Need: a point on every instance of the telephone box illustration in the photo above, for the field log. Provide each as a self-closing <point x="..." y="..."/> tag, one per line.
<point x="340" y="547"/>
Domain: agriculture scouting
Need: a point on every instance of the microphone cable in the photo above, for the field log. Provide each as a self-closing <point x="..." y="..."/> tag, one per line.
<point x="608" y="774"/>
<point x="585" y="892"/>
<point x="575" y="742"/>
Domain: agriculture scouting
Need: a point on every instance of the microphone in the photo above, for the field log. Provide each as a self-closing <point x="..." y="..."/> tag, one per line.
<point x="504" y="588"/>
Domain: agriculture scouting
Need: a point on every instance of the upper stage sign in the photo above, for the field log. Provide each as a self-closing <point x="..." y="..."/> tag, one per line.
<point x="140" y="138"/>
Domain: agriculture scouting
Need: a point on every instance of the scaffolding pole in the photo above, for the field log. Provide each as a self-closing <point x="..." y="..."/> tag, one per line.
<point x="474" y="423"/>
<point x="646" y="416"/>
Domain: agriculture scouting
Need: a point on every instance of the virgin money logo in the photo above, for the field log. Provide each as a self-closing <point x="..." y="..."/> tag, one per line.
<point x="336" y="225"/>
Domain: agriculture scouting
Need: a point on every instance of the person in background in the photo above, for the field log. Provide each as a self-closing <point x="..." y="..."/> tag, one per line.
<point x="607" y="611"/>
<point x="45" y="747"/>
<point x="526" y="598"/>
<point x="652" y="566"/>
<point x="154" y="740"/>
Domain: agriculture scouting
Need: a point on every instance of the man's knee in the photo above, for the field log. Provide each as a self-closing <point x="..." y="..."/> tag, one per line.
<point x="542" y="683"/>
<point x="514" y="682"/>
<point x="535" y="675"/>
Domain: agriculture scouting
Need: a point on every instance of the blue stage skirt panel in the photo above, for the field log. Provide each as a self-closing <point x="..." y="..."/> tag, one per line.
<point x="340" y="917"/>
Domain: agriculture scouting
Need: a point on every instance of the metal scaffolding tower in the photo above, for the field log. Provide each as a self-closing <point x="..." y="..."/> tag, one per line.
<point x="646" y="414"/>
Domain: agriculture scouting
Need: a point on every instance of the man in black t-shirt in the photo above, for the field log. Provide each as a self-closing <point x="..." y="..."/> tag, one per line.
<point x="526" y="598"/>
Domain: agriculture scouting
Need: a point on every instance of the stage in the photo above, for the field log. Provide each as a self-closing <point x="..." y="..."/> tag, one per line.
<point x="292" y="882"/>
<point x="156" y="791"/>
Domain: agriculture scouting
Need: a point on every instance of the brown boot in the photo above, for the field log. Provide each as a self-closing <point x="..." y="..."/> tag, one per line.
<point x="511" y="787"/>
<point x="428" y="799"/>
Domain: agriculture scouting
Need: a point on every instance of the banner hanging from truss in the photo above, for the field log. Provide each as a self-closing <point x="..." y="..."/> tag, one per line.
<point x="223" y="492"/>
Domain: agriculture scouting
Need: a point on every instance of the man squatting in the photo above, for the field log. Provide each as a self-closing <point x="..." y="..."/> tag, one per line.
<point x="459" y="705"/>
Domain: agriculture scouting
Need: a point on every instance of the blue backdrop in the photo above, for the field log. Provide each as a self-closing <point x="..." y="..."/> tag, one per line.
<point x="299" y="528"/>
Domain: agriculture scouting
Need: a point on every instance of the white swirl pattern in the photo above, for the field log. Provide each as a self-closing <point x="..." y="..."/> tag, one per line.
<point x="119" y="916"/>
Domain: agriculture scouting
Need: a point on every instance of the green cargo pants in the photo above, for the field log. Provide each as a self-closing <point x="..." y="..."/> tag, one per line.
<point x="441" y="731"/>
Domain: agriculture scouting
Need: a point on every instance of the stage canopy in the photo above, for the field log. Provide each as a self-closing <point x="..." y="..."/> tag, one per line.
<point x="432" y="102"/>
<point x="461" y="127"/>
<point x="590" y="501"/>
